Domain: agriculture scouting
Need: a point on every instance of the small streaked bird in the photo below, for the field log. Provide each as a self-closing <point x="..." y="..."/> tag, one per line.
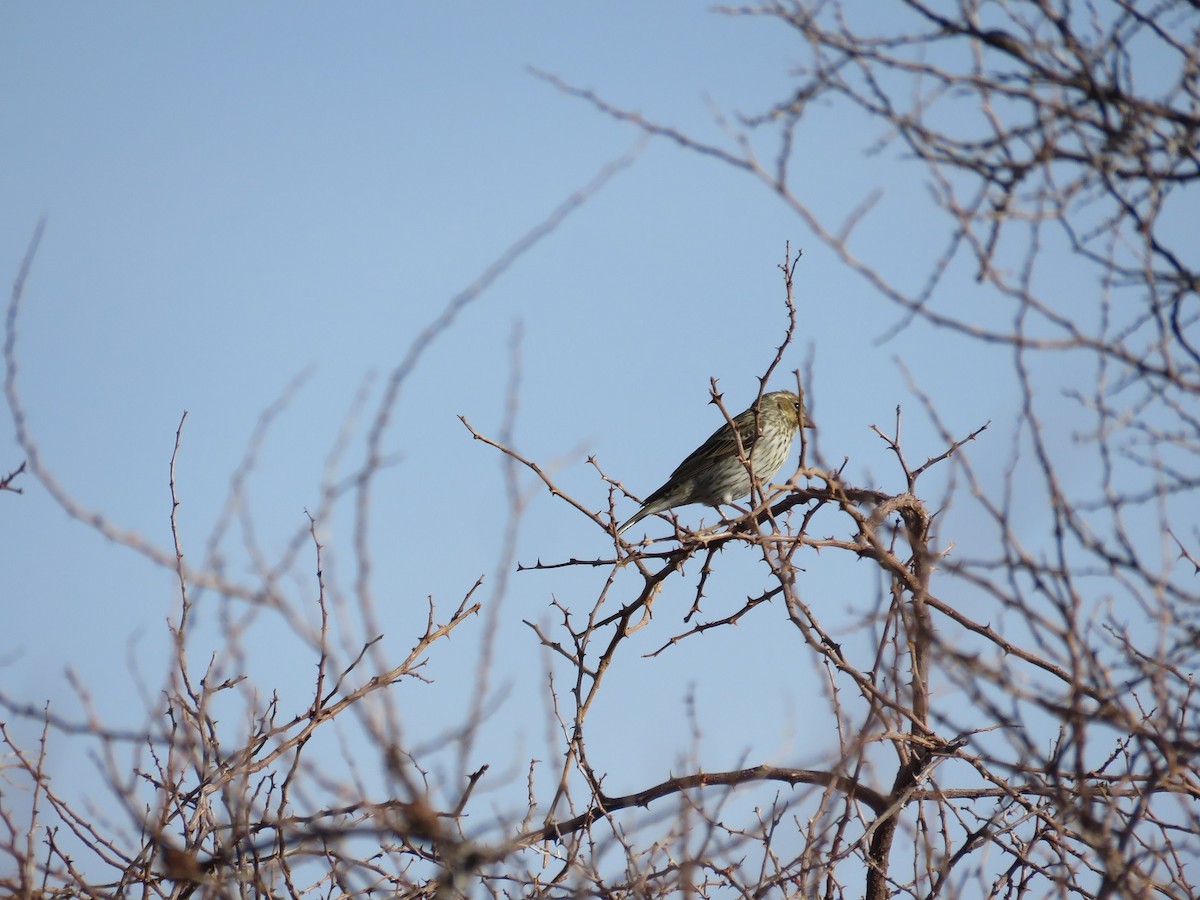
<point x="714" y="474"/>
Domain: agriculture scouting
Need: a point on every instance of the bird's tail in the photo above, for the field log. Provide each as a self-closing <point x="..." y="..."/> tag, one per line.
<point x="635" y="518"/>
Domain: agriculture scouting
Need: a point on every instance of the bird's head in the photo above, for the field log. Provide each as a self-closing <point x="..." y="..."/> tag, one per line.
<point x="788" y="405"/>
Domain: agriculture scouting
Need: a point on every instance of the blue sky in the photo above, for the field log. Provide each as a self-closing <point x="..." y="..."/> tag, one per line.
<point x="235" y="195"/>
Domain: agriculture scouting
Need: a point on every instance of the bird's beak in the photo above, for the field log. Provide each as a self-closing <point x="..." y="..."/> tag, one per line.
<point x="808" y="423"/>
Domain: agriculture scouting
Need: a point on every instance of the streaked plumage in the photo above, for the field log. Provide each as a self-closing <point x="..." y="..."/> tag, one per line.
<point x="713" y="474"/>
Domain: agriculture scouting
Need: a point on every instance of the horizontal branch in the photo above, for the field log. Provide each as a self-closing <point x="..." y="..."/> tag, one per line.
<point x="851" y="788"/>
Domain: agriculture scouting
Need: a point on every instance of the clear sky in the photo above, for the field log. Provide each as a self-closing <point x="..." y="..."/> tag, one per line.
<point x="236" y="194"/>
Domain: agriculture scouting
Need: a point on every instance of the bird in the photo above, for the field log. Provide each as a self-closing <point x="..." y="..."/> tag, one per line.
<point x="714" y="474"/>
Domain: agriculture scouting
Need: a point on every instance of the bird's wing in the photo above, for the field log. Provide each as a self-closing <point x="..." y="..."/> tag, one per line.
<point x="719" y="444"/>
